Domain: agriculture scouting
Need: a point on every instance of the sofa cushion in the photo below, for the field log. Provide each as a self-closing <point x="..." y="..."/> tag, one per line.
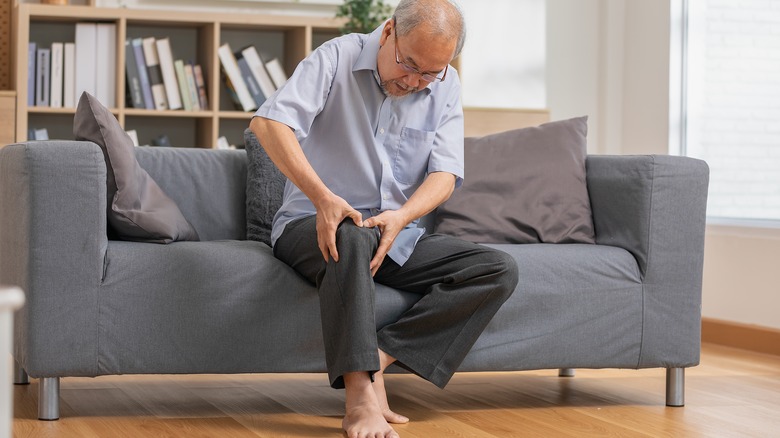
<point x="211" y="301"/>
<point x="577" y="306"/>
<point x="264" y="190"/>
<point x="523" y="186"/>
<point x="138" y="209"/>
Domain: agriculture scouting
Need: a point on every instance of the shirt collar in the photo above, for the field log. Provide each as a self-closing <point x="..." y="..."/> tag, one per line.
<point x="367" y="58"/>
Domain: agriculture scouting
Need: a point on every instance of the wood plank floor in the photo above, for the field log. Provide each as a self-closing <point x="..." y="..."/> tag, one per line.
<point x="732" y="393"/>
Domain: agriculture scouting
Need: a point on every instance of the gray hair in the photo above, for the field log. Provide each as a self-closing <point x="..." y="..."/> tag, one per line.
<point x="444" y="16"/>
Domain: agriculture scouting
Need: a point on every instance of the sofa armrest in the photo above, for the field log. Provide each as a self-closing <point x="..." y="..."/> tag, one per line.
<point x="52" y="244"/>
<point x="651" y="206"/>
<point x="655" y="207"/>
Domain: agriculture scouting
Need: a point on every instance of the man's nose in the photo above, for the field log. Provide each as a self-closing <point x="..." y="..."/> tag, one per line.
<point x="412" y="80"/>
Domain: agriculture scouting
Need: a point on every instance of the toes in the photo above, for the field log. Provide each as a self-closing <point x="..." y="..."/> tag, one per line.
<point x="392" y="417"/>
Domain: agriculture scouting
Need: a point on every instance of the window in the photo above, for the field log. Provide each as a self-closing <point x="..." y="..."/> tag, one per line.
<point x="732" y="104"/>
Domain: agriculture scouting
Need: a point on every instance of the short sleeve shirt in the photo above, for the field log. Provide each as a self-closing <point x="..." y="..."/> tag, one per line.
<point x="372" y="150"/>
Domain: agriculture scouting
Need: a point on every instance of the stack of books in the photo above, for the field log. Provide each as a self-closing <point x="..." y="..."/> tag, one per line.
<point x="156" y="81"/>
<point x="249" y="79"/>
<point x="59" y="73"/>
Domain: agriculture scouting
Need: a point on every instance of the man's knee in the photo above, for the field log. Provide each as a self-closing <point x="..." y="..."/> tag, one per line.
<point x="506" y="270"/>
<point x="350" y="237"/>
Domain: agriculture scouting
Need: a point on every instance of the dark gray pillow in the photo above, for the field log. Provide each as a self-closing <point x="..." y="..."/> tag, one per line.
<point x="264" y="190"/>
<point x="138" y="209"/>
<point x="523" y="186"/>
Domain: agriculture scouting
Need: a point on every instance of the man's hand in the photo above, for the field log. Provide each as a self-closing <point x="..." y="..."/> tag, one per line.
<point x="390" y="223"/>
<point x="331" y="210"/>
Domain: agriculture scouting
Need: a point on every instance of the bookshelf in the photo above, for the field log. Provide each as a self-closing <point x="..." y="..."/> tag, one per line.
<point x="7" y="115"/>
<point x="193" y="36"/>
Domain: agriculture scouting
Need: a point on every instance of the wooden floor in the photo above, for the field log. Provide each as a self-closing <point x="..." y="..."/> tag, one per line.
<point x="732" y="393"/>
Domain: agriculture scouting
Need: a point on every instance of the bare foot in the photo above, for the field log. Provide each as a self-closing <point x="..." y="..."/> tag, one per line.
<point x="363" y="416"/>
<point x="381" y="396"/>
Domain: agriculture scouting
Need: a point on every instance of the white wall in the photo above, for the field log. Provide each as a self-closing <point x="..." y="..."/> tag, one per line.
<point x="573" y="64"/>
<point x="509" y="78"/>
<point x="610" y="59"/>
<point x="740" y="275"/>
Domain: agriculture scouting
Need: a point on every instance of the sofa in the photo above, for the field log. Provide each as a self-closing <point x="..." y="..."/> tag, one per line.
<point x="224" y="304"/>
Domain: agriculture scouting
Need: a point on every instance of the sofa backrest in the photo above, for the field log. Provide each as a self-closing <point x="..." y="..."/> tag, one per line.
<point x="209" y="186"/>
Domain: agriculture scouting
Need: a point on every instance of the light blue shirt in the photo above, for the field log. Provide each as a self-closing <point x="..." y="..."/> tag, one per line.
<point x="369" y="149"/>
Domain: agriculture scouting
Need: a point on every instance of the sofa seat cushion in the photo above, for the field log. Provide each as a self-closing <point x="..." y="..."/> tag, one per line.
<point x="212" y="307"/>
<point x="575" y="306"/>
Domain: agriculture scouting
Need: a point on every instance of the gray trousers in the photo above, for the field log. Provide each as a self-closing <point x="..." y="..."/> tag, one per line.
<point x="461" y="286"/>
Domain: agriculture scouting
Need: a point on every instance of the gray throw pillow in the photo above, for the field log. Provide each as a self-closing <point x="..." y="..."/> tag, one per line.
<point x="523" y="186"/>
<point x="138" y="209"/>
<point x="264" y="190"/>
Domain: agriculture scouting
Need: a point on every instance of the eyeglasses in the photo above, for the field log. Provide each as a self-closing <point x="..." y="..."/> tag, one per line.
<point x="427" y="77"/>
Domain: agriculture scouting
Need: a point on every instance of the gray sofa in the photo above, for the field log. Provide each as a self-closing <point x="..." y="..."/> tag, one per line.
<point x="225" y="305"/>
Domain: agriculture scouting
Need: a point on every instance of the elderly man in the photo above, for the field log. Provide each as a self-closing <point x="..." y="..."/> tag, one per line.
<point x="369" y="132"/>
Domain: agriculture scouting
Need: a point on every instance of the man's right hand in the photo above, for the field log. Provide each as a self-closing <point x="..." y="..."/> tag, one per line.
<point x="331" y="210"/>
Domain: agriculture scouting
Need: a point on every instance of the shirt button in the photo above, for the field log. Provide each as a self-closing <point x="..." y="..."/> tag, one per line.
<point x="385" y="197"/>
<point x="381" y="130"/>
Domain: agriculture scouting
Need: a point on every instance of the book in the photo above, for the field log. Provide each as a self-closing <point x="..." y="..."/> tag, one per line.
<point x="155" y="74"/>
<point x="104" y="63"/>
<point x="69" y="76"/>
<point x="165" y="56"/>
<point x="222" y="143"/>
<point x="42" y="77"/>
<point x="133" y="136"/>
<point x="201" y="82"/>
<point x="243" y="99"/>
<point x="231" y="93"/>
<point x="32" y="56"/>
<point x="251" y="83"/>
<point x="258" y="68"/>
<point x="131" y="77"/>
<point x="55" y="87"/>
<point x="86" y="46"/>
<point x="183" y="85"/>
<point x="143" y="73"/>
<point x="40" y="134"/>
<point x="192" y="86"/>
<point x="276" y="72"/>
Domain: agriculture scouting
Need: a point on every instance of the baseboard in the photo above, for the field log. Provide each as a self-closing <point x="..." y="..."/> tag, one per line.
<point x="738" y="335"/>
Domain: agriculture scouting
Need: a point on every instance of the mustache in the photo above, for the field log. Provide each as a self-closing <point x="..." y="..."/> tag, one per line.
<point x="403" y="87"/>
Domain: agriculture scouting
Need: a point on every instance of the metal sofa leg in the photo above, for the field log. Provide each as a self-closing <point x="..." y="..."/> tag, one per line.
<point x="20" y="375"/>
<point x="675" y="387"/>
<point x="49" y="398"/>
<point x="566" y="372"/>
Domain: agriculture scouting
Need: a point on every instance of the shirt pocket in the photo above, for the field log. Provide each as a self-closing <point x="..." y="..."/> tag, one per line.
<point x="411" y="159"/>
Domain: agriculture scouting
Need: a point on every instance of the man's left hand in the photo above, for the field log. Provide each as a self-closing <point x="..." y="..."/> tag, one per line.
<point x="390" y="223"/>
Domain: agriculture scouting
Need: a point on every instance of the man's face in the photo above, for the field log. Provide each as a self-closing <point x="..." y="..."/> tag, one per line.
<point x="405" y="62"/>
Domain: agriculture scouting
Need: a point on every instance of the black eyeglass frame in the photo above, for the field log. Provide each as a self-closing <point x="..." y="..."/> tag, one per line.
<point x="427" y="77"/>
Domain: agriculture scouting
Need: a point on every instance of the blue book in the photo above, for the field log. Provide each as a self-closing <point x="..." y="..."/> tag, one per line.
<point x="251" y="83"/>
<point x="132" y="78"/>
<point x="42" y="77"/>
<point x="143" y="76"/>
<point x="32" y="54"/>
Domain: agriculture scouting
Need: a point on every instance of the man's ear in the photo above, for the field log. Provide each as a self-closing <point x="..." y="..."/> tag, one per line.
<point x="386" y="32"/>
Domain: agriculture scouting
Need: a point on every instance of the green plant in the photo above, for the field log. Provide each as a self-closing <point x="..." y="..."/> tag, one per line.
<point x="363" y="15"/>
